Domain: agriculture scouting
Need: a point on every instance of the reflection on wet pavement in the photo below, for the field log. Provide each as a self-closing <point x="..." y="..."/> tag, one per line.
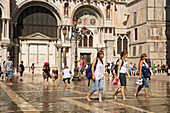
<point x="31" y="95"/>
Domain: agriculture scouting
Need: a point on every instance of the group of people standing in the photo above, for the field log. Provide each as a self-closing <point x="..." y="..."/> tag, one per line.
<point x="160" y="69"/>
<point x="98" y="75"/>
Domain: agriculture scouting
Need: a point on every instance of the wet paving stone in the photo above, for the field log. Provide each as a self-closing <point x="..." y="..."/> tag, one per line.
<point x="39" y="99"/>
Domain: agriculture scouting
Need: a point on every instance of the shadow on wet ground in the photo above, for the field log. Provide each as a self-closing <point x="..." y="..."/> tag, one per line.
<point x="37" y="98"/>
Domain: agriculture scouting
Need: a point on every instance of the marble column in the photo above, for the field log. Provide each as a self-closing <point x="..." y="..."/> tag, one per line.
<point x="7" y="28"/>
<point x="59" y="61"/>
<point x="70" y="58"/>
<point x="4" y="52"/>
<point x="48" y="52"/>
<point x="27" y="55"/>
<point x="64" y="57"/>
<point x="99" y="31"/>
<point x="3" y="28"/>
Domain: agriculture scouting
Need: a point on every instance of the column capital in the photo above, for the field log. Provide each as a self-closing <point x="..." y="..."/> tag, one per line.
<point x="3" y="19"/>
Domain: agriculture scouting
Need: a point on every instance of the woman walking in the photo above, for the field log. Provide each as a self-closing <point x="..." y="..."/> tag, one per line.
<point x="98" y="76"/>
<point x="143" y="62"/>
<point x="122" y="71"/>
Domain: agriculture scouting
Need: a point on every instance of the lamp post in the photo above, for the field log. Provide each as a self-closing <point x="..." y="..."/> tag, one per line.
<point x="76" y="34"/>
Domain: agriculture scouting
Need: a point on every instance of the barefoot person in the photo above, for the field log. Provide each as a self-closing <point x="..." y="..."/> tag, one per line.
<point x="143" y="62"/>
<point x="9" y="69"/>
<point x="121" y="74"/>
<point x="82" y="66"/>
<point x="33" y="68"/>
<point x="66" y="76"/>
<point x="98" y="76"/>
<point x="54" y="77"/>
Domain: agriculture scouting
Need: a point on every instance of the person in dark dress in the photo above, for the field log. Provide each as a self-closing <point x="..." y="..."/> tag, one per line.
<point x="21" y="68"/>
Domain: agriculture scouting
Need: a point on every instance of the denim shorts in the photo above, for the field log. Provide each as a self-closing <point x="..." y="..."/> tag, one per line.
<point x="9" y="74"/>
<point x="122" y="78"/>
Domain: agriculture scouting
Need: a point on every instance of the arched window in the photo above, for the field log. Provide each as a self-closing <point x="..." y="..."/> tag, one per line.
<point x="90" y="41"/>
<point x="108" y="12"/>
<point x="125" y="44"/>
<point x="119" y="45"/>
<point x="66" y="10"/>
<point x="37" y="19"/>
<point x="80" y="43"/>
<point x="85" y="41"/>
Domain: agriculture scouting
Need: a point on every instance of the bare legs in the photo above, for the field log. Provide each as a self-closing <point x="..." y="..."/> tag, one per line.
<point x="65" y="85"/>
<point x="54" y="82"/>
<point x="100" y="97"/>
<point x="89" y="100"/>
<point x="122" y="90"/>
<point x="88" y="97"/>
<point x="79" y="74"/>
<point x="146" y="93"/>
<point x="47" y="82"/>
<point x="7" y="81"/>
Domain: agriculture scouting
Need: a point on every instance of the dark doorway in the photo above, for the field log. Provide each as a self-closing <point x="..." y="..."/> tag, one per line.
<point x="37" y="19"/>
<point x="87" y="57"/>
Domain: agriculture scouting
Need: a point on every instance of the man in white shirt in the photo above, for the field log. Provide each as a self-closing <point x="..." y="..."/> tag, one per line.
<point x="66" y="76"/>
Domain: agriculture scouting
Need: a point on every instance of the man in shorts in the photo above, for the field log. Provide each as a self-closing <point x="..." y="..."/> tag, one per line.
<point x="9" y="69"/>
<point x="82" y="65"/>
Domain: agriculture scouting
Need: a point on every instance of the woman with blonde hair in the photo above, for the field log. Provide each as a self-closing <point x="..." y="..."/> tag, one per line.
<point x="143" y="64"/>
<point x="98" y="75"/>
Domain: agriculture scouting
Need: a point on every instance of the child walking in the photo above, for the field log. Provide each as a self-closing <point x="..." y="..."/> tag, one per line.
<point x="98" y="76"/>
<point x="54" y="76"/>
<point x="66" y="76"/>
<point x="134" y="69"/>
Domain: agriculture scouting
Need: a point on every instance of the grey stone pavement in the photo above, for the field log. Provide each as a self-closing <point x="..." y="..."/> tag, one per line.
<point x="29" y="96"/>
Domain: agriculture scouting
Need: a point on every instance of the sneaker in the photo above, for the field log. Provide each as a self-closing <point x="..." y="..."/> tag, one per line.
<point x="139" y="82"/>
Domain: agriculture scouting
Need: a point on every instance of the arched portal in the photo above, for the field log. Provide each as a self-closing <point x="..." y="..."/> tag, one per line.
<point x="37" y="19"/>
<point x="36" y="34"/>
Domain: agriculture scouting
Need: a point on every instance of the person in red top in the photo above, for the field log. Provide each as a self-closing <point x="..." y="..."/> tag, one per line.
<point x="82" y="65"/>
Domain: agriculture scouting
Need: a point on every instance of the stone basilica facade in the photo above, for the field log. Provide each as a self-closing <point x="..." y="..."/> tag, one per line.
<point x="31" y="30"/>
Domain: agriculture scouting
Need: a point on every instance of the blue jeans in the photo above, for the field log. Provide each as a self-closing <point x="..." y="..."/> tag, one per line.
<point x="9" y="73"/>
<point x="145" y="83"/>
<point x="130" y="71"/>
<point x="98" y="84"/>
<point x="3" y="75"/>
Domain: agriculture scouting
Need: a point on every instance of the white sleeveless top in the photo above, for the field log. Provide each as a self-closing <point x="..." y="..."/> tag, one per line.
<point x="145" y="64"/>
<point x="123" y="69"/>
<point x="99" y="72"/>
